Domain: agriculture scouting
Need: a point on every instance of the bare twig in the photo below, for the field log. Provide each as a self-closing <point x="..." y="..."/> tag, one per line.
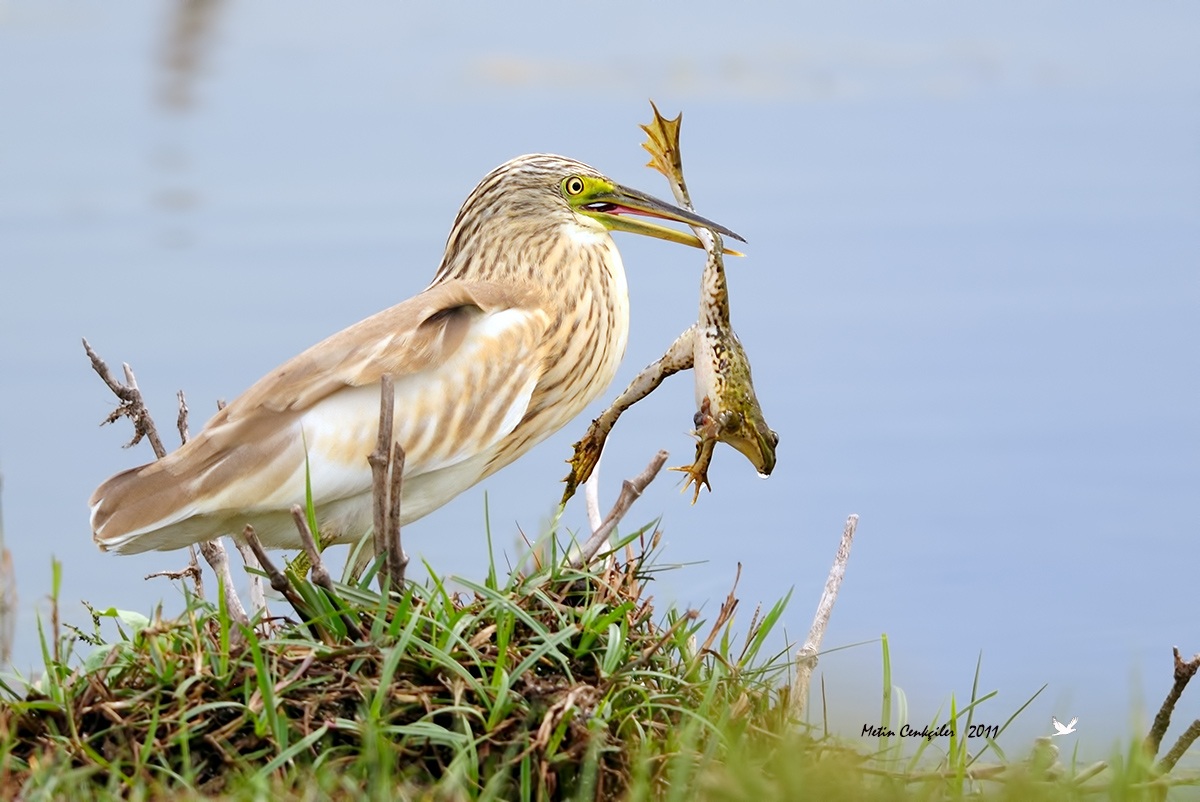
<point x="193" y="567"/>
<point x="279" y="580"/>
<point x="214" y="553"/>
<point x="181" y="423"/>
<point x="258" y="595"/>
<point x="131" y="404"/>
<point x="192" y="572"/>
<point x="379" y="459"/>
<point x="397" y="561"/>
<point x="387" y="478"/>
<point x="316" y="566"/>
<point x="806" y="658"/>
<point x="631" y="489"/>
<point x="1184" y="671"/>
<point x="317" y="570"/>
<point x="1181" y="745"/>
<point x="197" y="574"/>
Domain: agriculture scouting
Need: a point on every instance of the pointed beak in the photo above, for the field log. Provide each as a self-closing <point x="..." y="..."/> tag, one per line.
<point x="616" y="210"/>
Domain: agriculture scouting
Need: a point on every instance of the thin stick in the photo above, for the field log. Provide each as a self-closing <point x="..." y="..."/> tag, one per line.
<point x="631" y="489"/>
<point x="181" y="423"/>
<point x="192" y="572"/>
<point x="131" y="404"/>
<point x="806" y="658"/>
<point x="379" y="459"/>
<point x="279" y="581"/>
<point x="214" y="554"/>
<point x="258" y="596"/>
<point x="1185" y="741"/>
<point x="317" y="570"/>
<point x="1184" y="671"/>
<point x="397" y="561"/>
<point x="193" y="566"/>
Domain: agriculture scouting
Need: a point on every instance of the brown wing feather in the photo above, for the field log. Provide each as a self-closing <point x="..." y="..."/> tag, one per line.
<point x="243" y="439"/>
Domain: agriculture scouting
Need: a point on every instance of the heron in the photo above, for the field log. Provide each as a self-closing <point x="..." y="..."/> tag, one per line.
<point x="524" y="324"/>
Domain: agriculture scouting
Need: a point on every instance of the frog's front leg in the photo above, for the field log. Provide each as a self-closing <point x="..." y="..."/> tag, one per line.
<point x="587" y="451"/>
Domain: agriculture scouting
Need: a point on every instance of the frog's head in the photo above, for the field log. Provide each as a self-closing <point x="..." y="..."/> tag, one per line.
<point x="749" y="433"/>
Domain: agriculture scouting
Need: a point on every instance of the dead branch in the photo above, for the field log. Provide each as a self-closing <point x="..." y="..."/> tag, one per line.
<point x="1181" y="745"/>
<point x="387" y="474"/>
<point x="379" y="473"/>
<point x="181" y="423"/>
<point x="279" y="580"/>
<point x="131" y="404"/>
<point x="806" y="658"/>
<point x="192" y="572"/>
<point x="1184" y="671"/>
<point x="631" y="490"/>
<point x="215" y="555"/>
<point x="258" y="596"/>
<point x="396" y="563"/>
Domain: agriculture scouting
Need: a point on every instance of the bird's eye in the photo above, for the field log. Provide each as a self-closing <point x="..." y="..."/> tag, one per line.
<point x="573" y="185"/>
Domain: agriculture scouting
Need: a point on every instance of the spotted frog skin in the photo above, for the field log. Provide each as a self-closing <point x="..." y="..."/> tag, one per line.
<point x="728" y="410"/>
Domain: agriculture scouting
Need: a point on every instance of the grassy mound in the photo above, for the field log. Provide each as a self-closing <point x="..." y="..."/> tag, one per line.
<point x="559" y="684"/>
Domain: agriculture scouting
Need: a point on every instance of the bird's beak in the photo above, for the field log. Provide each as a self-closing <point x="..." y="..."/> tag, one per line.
<point x="614" y="209"/>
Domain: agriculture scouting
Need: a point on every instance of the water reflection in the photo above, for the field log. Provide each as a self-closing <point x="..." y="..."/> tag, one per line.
<point x="188" y="40"/>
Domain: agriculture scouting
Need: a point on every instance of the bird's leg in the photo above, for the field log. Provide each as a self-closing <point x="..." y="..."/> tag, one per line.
<point x="587" y="451"/>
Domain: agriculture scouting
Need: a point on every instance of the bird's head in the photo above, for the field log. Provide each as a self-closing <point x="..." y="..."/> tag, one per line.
<point x="535" y="194"/>
<point x="599" y="201"/>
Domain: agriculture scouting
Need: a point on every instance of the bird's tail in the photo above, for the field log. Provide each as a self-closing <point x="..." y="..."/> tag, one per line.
<point x="130" y="508"/>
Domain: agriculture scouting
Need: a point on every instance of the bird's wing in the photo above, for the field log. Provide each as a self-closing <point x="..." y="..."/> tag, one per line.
<point x="1072" y="723"/>
<point x="462" y="355"/>
<point x="406" y="339"/>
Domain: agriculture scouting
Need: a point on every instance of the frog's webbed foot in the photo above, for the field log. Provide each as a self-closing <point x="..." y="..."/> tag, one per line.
<point x="697" y="475"/>
<point x="583" y="462"/>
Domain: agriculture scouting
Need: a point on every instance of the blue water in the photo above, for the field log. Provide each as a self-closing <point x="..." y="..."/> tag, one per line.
<point x="970" y="295"/>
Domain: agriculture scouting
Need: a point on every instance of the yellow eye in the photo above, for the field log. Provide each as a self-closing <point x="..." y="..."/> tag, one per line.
<point x="573" y="185"/>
